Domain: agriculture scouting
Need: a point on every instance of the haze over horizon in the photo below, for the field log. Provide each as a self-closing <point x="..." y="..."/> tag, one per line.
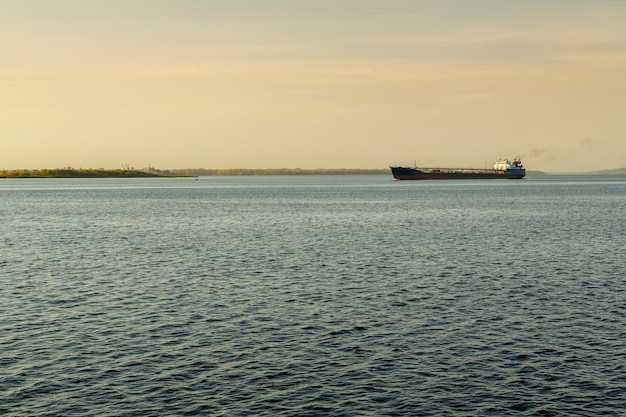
<point x="312" y="83"/>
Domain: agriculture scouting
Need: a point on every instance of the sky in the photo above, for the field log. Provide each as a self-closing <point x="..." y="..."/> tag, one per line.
<point x="312" y="83"/>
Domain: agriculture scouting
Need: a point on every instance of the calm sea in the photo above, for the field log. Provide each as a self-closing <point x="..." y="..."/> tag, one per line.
<point x="313" y="295"/>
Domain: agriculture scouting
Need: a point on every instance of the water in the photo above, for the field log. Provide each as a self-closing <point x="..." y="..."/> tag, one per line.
<point x="343" y="296"/>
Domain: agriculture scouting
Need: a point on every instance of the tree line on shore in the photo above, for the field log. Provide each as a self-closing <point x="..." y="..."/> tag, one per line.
<point x="128" y="172"/>
<point x="69" y="172"/>
<point x="274" y="171"/>
<point x="74" y="173"/>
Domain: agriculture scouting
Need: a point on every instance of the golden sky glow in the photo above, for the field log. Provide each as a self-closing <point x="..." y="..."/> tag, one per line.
<point x="312" y="84"/>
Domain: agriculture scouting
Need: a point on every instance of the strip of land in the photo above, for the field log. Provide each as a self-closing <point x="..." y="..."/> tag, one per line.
<point x="76" y="173"/>
<point x="200" y="172"/>
<point x="153" y="172"/>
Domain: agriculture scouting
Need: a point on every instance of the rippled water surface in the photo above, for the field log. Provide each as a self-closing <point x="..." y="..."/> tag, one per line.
<point x="343" y="296"/>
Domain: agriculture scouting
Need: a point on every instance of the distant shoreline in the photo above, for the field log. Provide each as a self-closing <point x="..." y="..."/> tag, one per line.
<point x="179" y="173"/>
<point x="201" y="172"/>
<point x="79" y="173"/>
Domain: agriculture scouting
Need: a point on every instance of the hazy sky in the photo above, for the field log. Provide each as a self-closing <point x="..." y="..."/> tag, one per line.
<point x="312" y="83"/>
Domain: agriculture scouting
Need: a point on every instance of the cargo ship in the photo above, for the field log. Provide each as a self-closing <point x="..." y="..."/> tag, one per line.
<point x="503" y="169"/>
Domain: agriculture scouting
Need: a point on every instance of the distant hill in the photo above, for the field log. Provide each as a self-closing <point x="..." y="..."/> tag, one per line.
<point x="617" y="171"/>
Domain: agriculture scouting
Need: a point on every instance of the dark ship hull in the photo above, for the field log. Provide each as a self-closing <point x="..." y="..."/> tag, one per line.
<point x="503" y="169"/>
